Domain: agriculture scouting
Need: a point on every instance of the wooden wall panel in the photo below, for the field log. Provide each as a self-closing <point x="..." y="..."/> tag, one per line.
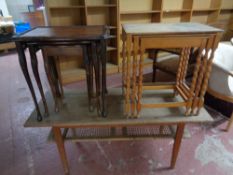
<point x="136" y="5"/>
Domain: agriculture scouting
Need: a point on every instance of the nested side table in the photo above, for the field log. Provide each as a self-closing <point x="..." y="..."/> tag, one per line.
<point x="91" y="38"/>
<point x="137" y="38"/>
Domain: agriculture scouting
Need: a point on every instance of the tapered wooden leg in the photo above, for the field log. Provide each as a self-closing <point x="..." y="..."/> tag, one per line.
<point x="34" y="63"/>
<point x="230" y="123"/>
<point x="23" y="65"/>
<point x="61" y="148"/>
<point x="176" y="146"/>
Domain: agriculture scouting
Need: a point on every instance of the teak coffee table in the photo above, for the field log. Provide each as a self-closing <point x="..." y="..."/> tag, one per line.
<point x="93" y="41"/>
<point x="138" y="38"/>
<point x="75" y="114"/>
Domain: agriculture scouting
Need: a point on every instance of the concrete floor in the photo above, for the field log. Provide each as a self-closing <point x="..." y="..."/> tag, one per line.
<point x="25" y="151"/>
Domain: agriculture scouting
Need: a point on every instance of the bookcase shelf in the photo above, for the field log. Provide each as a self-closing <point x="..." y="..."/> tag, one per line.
<point x="67" y="7"/>
<point x="101" y="6"/>
<point x="227" y="9"/>
<point x="114" y="13"/>
<point x="205" y="10"/>
<point x="139" y="12"/>
<point x="176" y="10"/>
<point x="101" y="2"/>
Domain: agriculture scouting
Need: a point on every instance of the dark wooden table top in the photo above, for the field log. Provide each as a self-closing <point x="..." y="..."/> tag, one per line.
<point x="64" y="33"/>
<point x="169" y="28"/>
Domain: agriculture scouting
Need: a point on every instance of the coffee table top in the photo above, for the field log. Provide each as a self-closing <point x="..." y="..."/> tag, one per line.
<point x="75" y="112"/>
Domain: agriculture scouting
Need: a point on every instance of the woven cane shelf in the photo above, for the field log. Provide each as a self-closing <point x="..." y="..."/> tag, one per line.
<point x="115" y="134"/>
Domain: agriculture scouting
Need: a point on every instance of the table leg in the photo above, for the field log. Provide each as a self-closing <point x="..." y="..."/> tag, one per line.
<point x="97" y="74"/>
<point x="49" y="74"/>
<point x="87" y="63"/>
<point x="207" y="72"/>
<point x="123" y="64"/>
<point x="187" y="52"/>
<point x="128" y="76"/>
<point x="34" y="63"/>
<point x="57" y="62"/>
<point x="90" y="67"/>
<point x="52" y="67"/>
<point x="23" y="65"/>
<point x="194" y="79"/>
<point x="180" y="69"/>
<point x="176" y="146"/>
<point x="104" y="76"/>
<point x="201" y="77"/>
<point x="155" y="55"/>
<point x="61" y="148"/>
<point x="140" y="80"/>
<point x="134" y="76"/>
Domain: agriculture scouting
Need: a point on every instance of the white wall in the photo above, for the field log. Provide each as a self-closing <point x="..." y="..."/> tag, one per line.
<point x="4" y="8"/>
<point x="16" y="7"/>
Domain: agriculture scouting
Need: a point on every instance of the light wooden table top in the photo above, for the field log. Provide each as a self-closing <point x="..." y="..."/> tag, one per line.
<point x="169" y="28"/>
<point x="75" y="113"/>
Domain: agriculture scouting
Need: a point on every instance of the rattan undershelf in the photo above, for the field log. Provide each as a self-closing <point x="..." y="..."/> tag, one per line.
<point x="115" y="134"/>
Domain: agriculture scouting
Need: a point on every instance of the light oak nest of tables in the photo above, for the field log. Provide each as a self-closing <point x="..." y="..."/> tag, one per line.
<point x="137" y="38"/>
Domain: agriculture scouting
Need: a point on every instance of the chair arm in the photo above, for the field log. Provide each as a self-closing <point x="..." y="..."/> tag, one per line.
<point x="223" y="69"/>
<point x="219" y="80"/>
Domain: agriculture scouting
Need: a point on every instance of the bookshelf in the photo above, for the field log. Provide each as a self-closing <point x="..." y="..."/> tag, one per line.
<point x="116" y="12"/>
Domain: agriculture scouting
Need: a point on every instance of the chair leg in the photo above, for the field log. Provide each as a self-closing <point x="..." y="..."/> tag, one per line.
<point x="230" y="123"/>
